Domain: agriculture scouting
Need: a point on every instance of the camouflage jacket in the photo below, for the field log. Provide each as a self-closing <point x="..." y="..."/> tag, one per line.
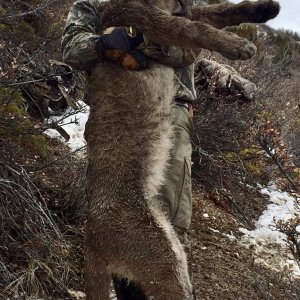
<point x="81" y="36"/>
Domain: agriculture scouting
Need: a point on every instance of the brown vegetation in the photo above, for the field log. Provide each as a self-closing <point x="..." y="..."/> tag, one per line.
<point x="42" y="219"/>
<point x="38" y="252"/>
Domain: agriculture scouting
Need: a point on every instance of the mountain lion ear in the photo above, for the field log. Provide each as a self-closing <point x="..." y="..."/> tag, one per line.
<point x="186" y="8"/>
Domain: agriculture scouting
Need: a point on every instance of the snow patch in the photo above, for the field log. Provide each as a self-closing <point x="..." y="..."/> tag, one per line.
<point x="262" y="34"/>
<point x="230" y="236"/>
<point x="73" y="122"/>
<point x="270" y="245"/>
<point x="77" y="295"/>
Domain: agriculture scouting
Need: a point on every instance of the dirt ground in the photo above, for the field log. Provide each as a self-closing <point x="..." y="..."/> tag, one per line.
<point x="223" y="267"/>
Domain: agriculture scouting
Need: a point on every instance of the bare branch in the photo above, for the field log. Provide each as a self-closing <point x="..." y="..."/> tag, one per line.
<point x="26" y="13"/>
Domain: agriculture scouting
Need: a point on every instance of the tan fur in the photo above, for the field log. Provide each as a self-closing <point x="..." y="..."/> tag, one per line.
<point x="191" y="34"/>
<point x="129" y="134"/>
<point x="172" y="7"/>
<point x="127" y="232"/>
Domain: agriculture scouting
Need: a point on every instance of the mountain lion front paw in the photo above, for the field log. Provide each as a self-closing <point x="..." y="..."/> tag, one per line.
<point x="261" y="11"/>
<point x="235" y="47"/>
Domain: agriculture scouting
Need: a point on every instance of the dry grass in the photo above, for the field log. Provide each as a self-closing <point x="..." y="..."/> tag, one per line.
<point x="36" y="257"/>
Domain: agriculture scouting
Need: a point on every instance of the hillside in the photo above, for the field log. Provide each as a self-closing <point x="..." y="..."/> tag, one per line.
<point x="246" y="169"/>
<point x="242" y="144"/>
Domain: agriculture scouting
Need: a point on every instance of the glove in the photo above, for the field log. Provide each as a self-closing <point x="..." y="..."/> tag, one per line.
<point x="134" y="60"/>
<point x="119" y="39"/>
<point x="140" y="58"/>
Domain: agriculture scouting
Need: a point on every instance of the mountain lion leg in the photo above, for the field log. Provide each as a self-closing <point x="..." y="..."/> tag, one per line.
<point x="97" y="280"/>
<point x="176" y="31"/>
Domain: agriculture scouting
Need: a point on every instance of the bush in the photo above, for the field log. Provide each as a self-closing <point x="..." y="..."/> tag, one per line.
<point x="247" y="31"/>
<point x="36" y="258"/>
<point x="15" y="123"/>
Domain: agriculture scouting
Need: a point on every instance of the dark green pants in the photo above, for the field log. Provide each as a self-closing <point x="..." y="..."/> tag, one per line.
<point x="177" y="191"/>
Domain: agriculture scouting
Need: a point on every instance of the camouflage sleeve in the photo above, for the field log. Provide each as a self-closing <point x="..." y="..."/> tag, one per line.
<point x="169" y="55"/>
<point x="81" y="35"/>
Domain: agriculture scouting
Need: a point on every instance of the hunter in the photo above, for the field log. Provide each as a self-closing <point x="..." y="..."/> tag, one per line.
<point x="83" y="45"/>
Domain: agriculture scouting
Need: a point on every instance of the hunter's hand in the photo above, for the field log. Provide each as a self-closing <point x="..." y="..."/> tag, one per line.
<point x="118" y="44"/>
<point x="118" y="38"/>
<point x="134" y="60"/>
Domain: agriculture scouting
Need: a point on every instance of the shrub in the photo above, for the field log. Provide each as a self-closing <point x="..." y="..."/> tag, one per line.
<point x="248" y="31"/>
